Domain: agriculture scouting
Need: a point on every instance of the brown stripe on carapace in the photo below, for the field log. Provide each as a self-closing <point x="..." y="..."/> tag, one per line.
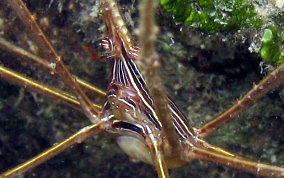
<point x="180" y="121"/>
<point x="150" y="116"/>
<point x="137" y="76"/>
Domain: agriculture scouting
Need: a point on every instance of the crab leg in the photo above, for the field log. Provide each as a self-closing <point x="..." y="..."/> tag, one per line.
<point x="55" y="93"/>
<point x="271" y="81"/>
<point x="149" y="65"/>
<point x="44" y="64"/>
<point x="54" y="59"/>
<point x="159" y="161"/>
<point x="235" y="162"/>
<point x="157" y="154"/>
<point x="77" y="138"/>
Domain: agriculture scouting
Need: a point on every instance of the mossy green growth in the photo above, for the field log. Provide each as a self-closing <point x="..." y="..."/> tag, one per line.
<point x="215" y="15"/>
<point x="272" y="41"/>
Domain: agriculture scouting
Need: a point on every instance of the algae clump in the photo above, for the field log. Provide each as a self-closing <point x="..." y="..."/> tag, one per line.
<point x="272" y="40"/>
<point x="214" y="16"/>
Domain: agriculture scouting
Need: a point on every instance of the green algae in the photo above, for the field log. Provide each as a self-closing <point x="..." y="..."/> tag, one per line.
<point x="272" y="43"/>
<point x="213" y="16"/>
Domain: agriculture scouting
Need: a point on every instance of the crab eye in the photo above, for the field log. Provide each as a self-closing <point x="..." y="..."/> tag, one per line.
<point x="106" y="44"/>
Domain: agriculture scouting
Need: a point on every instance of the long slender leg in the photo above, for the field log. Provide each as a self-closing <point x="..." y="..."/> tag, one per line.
<point x="44" y="89"/>
<point x="54" y="59"/>
<point x="235" y="162"/>
<point x="44" y="64"/>
<point x="157" y="155"/>
<point x="218" y="150"/>
<point x="77" y="138"/>
<point x="215" y="154"/>
<point x="271" y="81"/>
<point x="159" y="162"/>
<point x="149" y="65"/>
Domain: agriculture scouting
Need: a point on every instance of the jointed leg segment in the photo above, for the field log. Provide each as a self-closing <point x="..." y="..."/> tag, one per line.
<point x="237" y="163"/>
<point x="52" y="57"/>
<point x="271" y="81"/>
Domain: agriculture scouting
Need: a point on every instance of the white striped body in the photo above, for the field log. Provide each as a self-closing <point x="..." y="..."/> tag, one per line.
<point x="129" y="102"/>
<point x="128" y="99"/>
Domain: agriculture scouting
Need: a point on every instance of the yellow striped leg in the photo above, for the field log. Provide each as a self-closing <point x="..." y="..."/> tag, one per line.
<point x="59" y="95"/>
<point x="236" y="162"/>
<point x="271" y="81"/>
<point x="45" y="65"/>
<point x="79" y="137"/>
